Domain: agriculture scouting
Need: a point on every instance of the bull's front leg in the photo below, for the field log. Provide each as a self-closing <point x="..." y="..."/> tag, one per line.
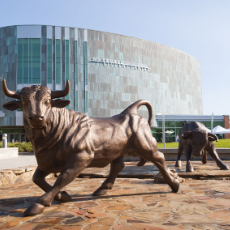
<point x="115" y="167"/>
<point x="212" y="152"/>
<point x="39" y="179"/>
<point x="188" y="152"/>
<point x="73" y="166"/>
<point x="180" y="150"/>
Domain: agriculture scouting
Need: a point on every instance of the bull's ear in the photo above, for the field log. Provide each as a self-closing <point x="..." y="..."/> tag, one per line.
<point x="12" y="105"/>
<point x="186" y="135"/>
<point x="59" y="103"/>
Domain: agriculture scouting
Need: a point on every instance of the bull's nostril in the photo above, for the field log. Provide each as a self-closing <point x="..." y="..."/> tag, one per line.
<point x="30" y="118"/>
<point x="41" y="118"/>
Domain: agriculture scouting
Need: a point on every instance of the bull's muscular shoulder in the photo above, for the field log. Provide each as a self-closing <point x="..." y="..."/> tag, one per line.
<point x="193" y="126"/>
<point x="69" y="126"/>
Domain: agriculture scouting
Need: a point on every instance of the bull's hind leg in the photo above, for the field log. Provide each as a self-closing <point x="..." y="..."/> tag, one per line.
<point x="73" y="166"/>
<point x="146" y="147"/>
<point x="215" y="156"/>
<point x="204" y="157"/>
<point x="39" y="179"/>
<point x="141" y="162"/>
<point x="158" y="159"/>
<point x="178" y="160"/>
<point x="115" y="167"/>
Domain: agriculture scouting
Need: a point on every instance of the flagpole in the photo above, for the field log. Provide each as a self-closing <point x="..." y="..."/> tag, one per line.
<point x="212" y="124"/>
<point x="163" y="129"/>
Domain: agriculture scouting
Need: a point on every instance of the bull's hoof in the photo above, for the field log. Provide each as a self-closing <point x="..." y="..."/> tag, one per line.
<point x="189" y="169"/>
<point x="142" y="162"/>
<point x="100" y="192"/>
<point x="224" y="167"/>
<point x="175" y="186"/>
<point x="204" y="162"/>
<point x="63" y="197"/>
<point x="178" y="164"/>
<point x="34" y="209"/>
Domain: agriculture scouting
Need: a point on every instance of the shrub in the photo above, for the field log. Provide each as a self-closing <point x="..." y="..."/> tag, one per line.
<point x="27" y="146"/>
<point x="22" y="146"/>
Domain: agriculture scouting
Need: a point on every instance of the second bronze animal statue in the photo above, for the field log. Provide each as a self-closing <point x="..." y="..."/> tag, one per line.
<point x="196" y="140"/>
<point x="67" y="142"/>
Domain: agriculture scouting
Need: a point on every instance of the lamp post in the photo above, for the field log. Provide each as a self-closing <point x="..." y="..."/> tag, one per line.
<point x="163" y="129"/>
<point x="4" y="140"/>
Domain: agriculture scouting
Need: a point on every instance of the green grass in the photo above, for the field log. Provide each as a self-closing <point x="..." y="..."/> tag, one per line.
<point x="27" y="146"/>
<point x="222" y="143"/>
<point x="168" y="145"/>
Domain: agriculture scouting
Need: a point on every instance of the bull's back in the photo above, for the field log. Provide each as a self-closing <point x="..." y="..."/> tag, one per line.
<point x="109" y="135"/>
<point x="192" y="126"/>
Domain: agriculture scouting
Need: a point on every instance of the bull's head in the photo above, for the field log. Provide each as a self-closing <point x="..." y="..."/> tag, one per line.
<point x="36" y="102"/>
<point x="199" y="140"/>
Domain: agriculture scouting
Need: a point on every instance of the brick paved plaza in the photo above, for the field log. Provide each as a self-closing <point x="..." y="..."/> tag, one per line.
<point x="132" y="204"/>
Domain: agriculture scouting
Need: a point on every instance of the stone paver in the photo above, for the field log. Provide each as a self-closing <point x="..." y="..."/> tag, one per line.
<point x="201" y="171"/>
<point x="27" y="164"/>
<point x="132" y="204"/>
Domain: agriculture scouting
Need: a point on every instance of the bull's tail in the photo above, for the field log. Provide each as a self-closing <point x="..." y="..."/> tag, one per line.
<point x="133" y="109"/>
<point x="135" y="106"/>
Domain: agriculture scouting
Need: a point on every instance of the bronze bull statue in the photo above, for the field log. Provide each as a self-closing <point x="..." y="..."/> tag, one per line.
<point x="67" y="142"/>
<point x="195" y="139"/>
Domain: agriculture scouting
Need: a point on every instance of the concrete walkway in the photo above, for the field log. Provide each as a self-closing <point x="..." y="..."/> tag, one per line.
<point x="20" y="161"/>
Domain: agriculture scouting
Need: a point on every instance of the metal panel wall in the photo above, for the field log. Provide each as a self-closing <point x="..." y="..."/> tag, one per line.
<point x="172" y="83"/>
<point x="8" y="69"/>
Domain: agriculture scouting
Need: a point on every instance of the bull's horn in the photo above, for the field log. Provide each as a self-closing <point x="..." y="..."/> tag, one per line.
<point x="62" y="93"/>
<point x="8" y="92"/>
<point x="213" y="135"/>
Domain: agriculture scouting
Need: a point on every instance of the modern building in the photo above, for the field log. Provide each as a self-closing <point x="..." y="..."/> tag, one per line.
<point x="107" y="72"/>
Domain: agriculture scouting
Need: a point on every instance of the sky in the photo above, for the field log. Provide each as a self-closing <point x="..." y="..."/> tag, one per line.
<point x="197" y="27"/>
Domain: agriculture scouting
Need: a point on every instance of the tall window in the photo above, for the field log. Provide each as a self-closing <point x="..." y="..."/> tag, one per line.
<point x="76" y="78"/>
<point x="49" y="61"/>
<point x="67" y="59"/>
<point x="67" y="63"/>
<point x="29" y="61"/>
<point x="58" y="61"/>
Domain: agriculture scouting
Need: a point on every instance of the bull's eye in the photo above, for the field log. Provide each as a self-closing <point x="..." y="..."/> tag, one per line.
<point x="47" y="102"/>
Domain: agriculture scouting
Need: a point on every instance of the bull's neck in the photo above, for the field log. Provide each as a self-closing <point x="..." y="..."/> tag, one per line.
<point x="39" y="136"/>
<point x="50" y="136"/>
